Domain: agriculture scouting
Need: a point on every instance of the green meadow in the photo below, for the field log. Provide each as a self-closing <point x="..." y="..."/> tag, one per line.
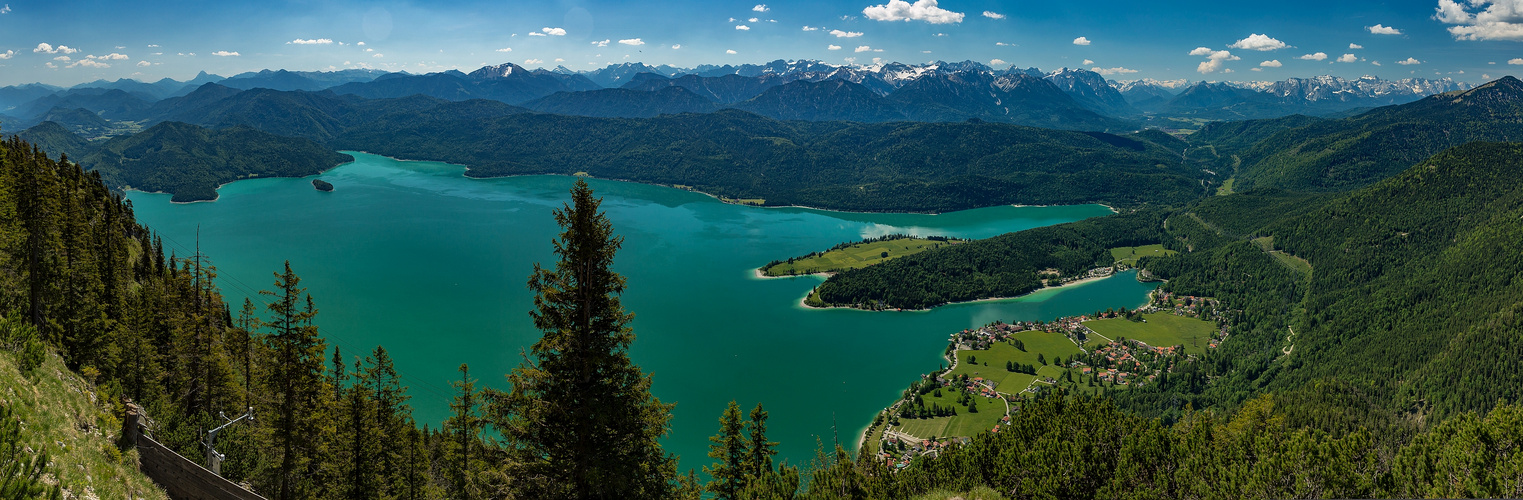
<point x="1129" y="255"/>
<point x="854" y="256"/>
<point x="1160" y="330"/>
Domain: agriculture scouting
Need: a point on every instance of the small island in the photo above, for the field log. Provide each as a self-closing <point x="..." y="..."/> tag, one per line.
<point x="322" y="185"/>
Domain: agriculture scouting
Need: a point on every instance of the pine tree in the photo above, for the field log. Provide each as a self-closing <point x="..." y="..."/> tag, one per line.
<point x="729" y="452"/>
<point x="295" y="383"/>
<point x="759" y="450"/>
<point x="463" y="428"/>
<point x="580" y="414"/>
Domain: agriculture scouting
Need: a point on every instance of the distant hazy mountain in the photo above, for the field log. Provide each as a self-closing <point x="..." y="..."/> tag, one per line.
<point x="619" y="75"/>
<point x="149" y="91"/>
<point x="508" y="83"/>
<point x="300" y="80"/>
<point x="15" y="95"/>
<point x="113" y="104"/>
<point x="1363" y="91"/>
<point x="1011" y="98"/>
<point x="821" y="101"/>
<point x="77" y="120"/>
<point x="727" y="89"/>
<point x="1220" y="101"/>
<point x="624" y="103"/>
<point x="1144" y="95"/>
<point x="1091" y="90"/>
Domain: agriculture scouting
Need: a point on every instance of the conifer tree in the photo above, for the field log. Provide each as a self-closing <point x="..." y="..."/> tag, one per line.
<point x="580" y="415"/>
<point x="295" y="383"/>
<point x="463" y="427"/>
<point x="729" y="452"/>
<point x="759" y="450"/>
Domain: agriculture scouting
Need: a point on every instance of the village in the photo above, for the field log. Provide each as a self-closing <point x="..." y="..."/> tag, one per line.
<point x="995" y="368"/>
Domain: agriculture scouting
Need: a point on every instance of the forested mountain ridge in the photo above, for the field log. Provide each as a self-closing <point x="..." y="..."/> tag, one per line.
<point x="921" y="167"/>
<point x="1338" y="155"/>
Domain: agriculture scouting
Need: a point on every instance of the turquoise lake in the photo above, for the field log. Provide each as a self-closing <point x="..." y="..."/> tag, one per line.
<point x="432" y="265"/>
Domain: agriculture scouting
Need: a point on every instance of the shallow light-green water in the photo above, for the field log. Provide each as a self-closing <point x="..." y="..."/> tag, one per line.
<point x="432" y="265"/>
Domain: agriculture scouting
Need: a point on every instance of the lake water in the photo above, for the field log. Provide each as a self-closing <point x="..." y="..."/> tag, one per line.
<point x="433" y="265"/>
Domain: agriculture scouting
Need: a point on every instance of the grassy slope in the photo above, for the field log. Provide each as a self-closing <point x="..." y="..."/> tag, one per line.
<point x="60" y="413"/>
<point x="854" y="257"/>
<point x="1160" y="330"/>
<point x="1129" y="255"/>
<point x="991" y="362"/>
<point x="990" y="410"/>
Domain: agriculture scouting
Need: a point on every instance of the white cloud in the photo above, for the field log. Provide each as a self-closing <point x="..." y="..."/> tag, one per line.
<point x="760" y="8"/>
<point x="1387" y="30"/>
<point x="559" y="60"/>
<point x="1499" y="20"/>
<point x="993" y="15"/>
<point x="1214" y="59"/>
<point x="532" y="61"/>
<point x="921" y="10"/>
<point x="1516" y="61"/>
<point x="602" y="43"/>
<point x="63" y="58"/>
<point x="1228" y="70"/>
<point x="369" y="50"/>
<point x="1409" y="61"/>
<point x="376" y="55"/>
<point x="536" y="33"/>
<point x="676" y="46"/>
<point x="1314" y="57"/>
<point x="1113" y="71"/>
<point x="505" y="49"/>
<point x="632" y="41"/>
<point x="809" y="28"/>
<point x="90" y="63"/>
<point x="1272" y="63"/>
<point x="731" y="52"/>
<point x="1377" y="63"/>
<point x="114" y="57"/>
<point x="43" y="48"/>
<point x="753" y="20"/>
<point x="864" y="48"/>
<point x="52" y="66"/>
<point x="144" y="64"/>
<point x="553" y="31"/>
<point x="846" y="34"/>
<point x="362" y="44"/>
<point x="1081" y="41"/>
<point x="1485" y="76"/>
<point x="1355" y="46"/>
<point x="1087" y="62"/>
<point x="312" y="41"/>
<point x="1347" y="58"/>
<point x="742" y="27"/>
<point x="7" y="54"/>
<point x="833" y="47"/>
<point x="1258" y="42"/>
<point x="224" y="53"/>
<point x="997" y="62"/>
<point x="1003" y="44"/>
<point x="6" y="9"/>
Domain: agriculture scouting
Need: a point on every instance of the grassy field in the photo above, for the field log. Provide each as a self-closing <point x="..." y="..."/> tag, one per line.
<point x="79" y="435"/>
<point x="1160" y="330"/>
<point x="1296" y="264"/>
<point x="1226" y="188"/>
<point x="1129" y="255"/>
<point x="990" y="411"/>
<point x="855" y="256"/>
<point x="991" y="362"/>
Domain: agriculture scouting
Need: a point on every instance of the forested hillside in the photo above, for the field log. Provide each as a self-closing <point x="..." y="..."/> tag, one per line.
<point x="922" y="167"/>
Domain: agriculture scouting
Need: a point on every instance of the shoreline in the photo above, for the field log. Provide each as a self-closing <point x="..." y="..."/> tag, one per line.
<point x="219" y="187"/>
<point x="760" y="275"/>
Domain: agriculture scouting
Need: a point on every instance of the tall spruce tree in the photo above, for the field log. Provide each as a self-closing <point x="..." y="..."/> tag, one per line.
<point x="728" y="449"/>
<point x="295" y="382"/>
<point x="580" y="415"/>
<point x="759" y="451"/>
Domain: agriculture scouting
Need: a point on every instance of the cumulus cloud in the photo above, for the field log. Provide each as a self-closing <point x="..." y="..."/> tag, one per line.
<point x="1258" y="42"/>
<point x="6" y="9"/>
<point x="312" y="41"/>
<point x="7" y="54"/>
<point x="532" y="61"/>
<point x="1355" y="46"/>
<point x="1516" y="61"/>
<point x="224" y="53"/>
<point x="536" y="33"/>
<point x="505" y="49"/>
<point x="1409" y="61"/>
<point x="376" y="55"/>
<point x="43" y="48"/>
<point x="1491" y="20"/>
<point x="676" y="46"/>
<point x="553" y="31"/>
<point x="1377" y="63"/>
<point x="1347" y="58"/>
<point x="1081" y="41"/>
<point x="865" y="48"/>
<point x="1087" y="62"/>
<point x="63" y="58"/>
<point x="144" y="64"/>
<point x="1272" y="63"/>
<point x="730" y="51"/>
<point x="760" y="8"/>
<point x="921" y="10"/>
<point x="1314" y="57"/>
<point x="810" y="28"/>
<point x="632" y="41"/>
<point x="90" y="63"/>
<point x="1214" y="59"/>
<point x="113" y="57"/>
<point x="362" y="44"/>
<point x="1113" y="71"/>
<point x="833" y="47"/>
<point x="993" y="15"/>
<point x="846" y="34"/>
<point x="742" y="27"/>
<point x="997" y="62"/>
<point x="602" y="43"/>
<point x="1386" y="30"/>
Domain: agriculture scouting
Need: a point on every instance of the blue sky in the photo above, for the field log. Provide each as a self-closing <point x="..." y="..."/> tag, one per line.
<point x="65" y="43"/>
